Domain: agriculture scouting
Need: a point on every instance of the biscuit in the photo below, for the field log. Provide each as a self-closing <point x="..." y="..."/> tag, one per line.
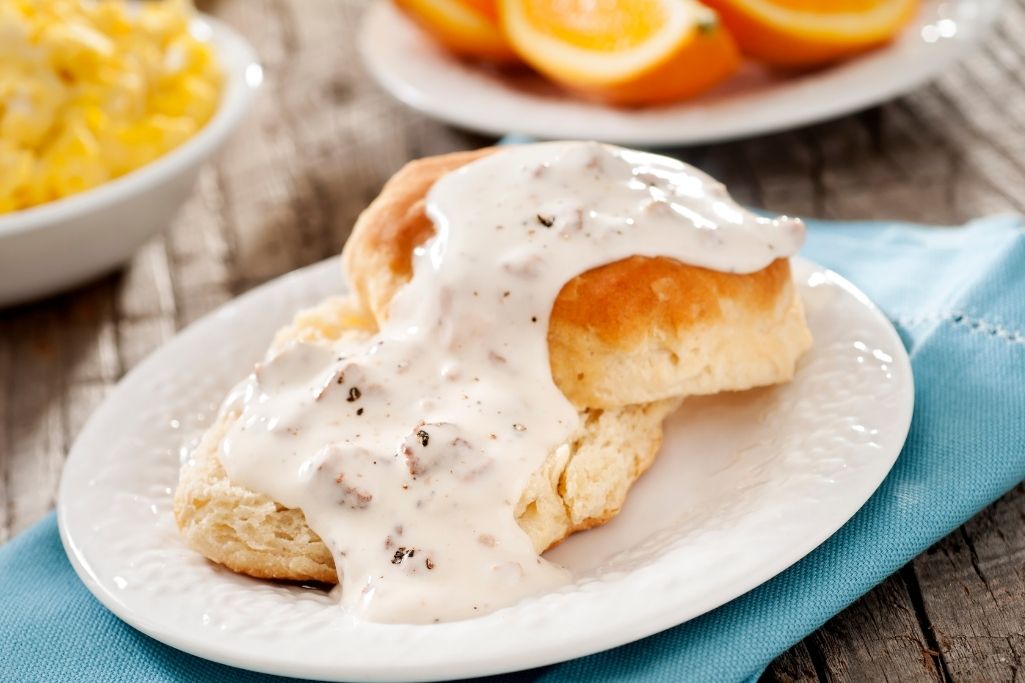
<point x="627" y="342"/>
<point x="577" y="487"/>
<point x="632" y="331"/>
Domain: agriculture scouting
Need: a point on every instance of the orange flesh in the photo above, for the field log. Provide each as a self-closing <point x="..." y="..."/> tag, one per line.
<point x="706" y="59"/>
<point x="466" y="27"/>
<point x="488" y="8"/>
<point x="832" y="7"/>
<point x="602" y="25"/>
<point x="793" y="45"/>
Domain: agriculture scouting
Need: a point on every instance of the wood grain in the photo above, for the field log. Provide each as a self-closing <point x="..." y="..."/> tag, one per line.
<point x="322" y="140"/>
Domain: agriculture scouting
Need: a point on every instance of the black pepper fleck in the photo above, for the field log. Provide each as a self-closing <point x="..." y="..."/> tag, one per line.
<point x="424" y="437"/>
<point x="354" y="394"/>
<point x="359" y="411"/>
<point x="402" y="553"/>
<point x="547" y="221"/>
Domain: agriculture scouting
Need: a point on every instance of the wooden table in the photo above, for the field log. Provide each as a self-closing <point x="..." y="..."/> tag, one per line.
<point x="322" y="140"/>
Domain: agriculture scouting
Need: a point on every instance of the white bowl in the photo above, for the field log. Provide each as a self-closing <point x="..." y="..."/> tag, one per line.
<point x="55" y="245"/>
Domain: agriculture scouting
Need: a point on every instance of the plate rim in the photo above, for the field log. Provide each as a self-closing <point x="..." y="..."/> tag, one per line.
<point x="508" y="662"/>
<point x="832" y="107"/>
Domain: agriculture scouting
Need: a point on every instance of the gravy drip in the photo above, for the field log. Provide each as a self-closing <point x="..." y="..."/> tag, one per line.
<point x="408" y="453"/>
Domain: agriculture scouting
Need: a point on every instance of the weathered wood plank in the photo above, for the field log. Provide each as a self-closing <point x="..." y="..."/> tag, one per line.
<point x="81" y="399"/>
<point x="6" y="444"/>
<point x="851" y="153"/>
<point x="955" y="191"/>
<point x="37" y="437"/>
<point x="973" y="585"/>
<point x="948" y="121"/>
<point x="877" y="639"/>
<point x="199" y="254"/>
<point x="794" y="666"/>
<point x="145" y="305"/>
<point x="91" y="359"/>
<point x="785" y="170"/>
<point x="265" y="180"/>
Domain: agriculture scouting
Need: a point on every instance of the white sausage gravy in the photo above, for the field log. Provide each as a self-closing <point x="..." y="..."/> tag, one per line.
<point x="408" y="453"/>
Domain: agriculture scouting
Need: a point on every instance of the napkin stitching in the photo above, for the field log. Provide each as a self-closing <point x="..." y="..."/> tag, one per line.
<point x="975" y="324"/>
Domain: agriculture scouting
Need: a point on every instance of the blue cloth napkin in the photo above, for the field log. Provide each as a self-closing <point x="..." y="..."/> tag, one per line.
<point x="957" y="297"/>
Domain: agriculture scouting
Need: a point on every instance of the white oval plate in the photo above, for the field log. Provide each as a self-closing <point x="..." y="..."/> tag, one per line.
<point x="413" y="69"/>
<point x="746" y="485"/>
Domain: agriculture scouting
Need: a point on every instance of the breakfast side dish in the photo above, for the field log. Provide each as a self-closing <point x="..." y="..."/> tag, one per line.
<point x="789" y="34"/>
<point x="636" y="52"/>
<point x="90" y="91"/>
<point x="522" y="321"/>
<point x="649" y="52"/>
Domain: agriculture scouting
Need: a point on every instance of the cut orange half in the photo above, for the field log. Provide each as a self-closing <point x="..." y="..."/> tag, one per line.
<point x="466" y="27"/>
<point x="801" y="33"/>
<point x="622" y="51"/>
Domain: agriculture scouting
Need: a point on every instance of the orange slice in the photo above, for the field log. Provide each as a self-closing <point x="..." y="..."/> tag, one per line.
<point x="799" y="33"/>
<point x="466" y="27"/>
<point x="622" y="51"/>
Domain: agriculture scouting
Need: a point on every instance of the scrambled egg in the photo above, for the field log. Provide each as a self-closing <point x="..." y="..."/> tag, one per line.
<point x="92" y="89"/>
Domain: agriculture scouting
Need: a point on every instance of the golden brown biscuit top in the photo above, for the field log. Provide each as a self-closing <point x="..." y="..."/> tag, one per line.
<point x="639" y="305"/>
